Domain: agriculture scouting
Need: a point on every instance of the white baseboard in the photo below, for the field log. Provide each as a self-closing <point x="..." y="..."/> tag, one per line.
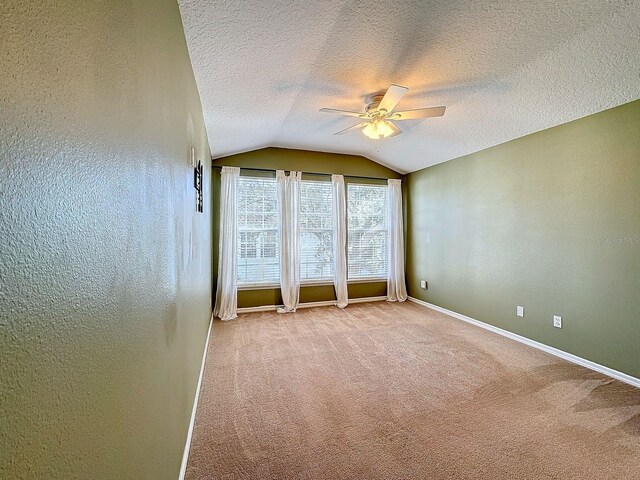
<point x="623" y="377"/>
<point x="327" y="303"/>
<point x="382" y="298"/>
<point x="185" y="455"/>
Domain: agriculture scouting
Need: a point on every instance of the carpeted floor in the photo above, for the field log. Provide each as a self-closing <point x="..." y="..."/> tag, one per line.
<point x="398" y="391"/>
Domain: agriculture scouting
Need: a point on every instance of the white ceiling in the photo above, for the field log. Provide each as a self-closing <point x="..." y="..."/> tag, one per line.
<point x="503" y="68"/>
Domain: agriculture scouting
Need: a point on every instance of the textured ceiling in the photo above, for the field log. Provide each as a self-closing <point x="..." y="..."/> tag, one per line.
<point x="503" y="68"/>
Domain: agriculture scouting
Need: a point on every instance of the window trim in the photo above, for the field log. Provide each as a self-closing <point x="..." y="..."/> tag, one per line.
<point x="267" y="284"/>
<point x="257" y="286"/>
<point x="320" y="281"/>
<point x="308" y="283"/>
<point x="349" y="180"/>
<point x="365" y="279"/>
<point x="323" y="282"/>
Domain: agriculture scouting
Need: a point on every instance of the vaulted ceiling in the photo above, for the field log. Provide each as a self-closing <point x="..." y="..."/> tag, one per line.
<point x="503" y="68"/>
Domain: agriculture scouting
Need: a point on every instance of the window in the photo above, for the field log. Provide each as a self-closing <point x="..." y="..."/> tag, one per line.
<point x="316" y="231"/>
<point x="257" y="231"/>
<point x="367" y="234"/>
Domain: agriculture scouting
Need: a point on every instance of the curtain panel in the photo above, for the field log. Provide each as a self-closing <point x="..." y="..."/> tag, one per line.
<point x="288" y="187"/>
<point x="396" y="286"/>
<point x="339" y="241"/>
<point x="227" y="290"/>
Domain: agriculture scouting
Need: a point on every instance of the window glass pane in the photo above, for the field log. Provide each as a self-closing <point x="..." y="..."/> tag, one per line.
<point x="257" y="231"/>
<point x="316" y="231"/>
<point x="367" y="234"/>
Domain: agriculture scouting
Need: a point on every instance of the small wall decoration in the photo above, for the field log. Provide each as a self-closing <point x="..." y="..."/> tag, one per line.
<point x="197" y="183"/>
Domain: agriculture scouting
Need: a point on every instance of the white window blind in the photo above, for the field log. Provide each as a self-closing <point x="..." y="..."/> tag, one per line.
<point x="316" y="231"/>
<point x="367" y="231"/>
<point x="257" y="231"/>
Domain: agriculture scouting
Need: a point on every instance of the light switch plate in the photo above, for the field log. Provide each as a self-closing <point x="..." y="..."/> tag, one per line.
<point x="520" y="311"/>
<point x="423" y="284"/>
<point x="557" y="321"/>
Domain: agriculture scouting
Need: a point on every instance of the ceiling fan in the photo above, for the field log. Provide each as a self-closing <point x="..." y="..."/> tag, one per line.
<point x="378" y="114"/>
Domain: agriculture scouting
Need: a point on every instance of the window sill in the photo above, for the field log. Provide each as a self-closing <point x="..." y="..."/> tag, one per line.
<point x="316" y="283"/>
<point x="319" y="283"/>
<point x="367" y="280"/>
<point x="258" y="286"/>
<point x="269" y="286"/>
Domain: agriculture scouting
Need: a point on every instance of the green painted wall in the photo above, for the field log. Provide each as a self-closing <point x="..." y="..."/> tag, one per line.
<point x="105" y="277"/>
<point x="321" y="293"/>
<point x="308" y="161"/>
<point x="305" y="161"/>
<point x="550" y="221"/>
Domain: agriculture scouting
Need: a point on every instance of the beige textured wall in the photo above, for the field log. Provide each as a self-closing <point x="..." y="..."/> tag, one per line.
<point x="106" y="268"/>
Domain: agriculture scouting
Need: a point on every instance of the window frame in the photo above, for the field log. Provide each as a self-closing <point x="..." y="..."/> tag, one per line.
<point x="366" y="182"/>
<point x="315" y="178"/>
<point x="267" y="284"/>
<point x="312" y="283"/>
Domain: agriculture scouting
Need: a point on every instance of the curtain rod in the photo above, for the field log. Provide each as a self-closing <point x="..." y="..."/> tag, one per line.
<point x="308" y="173"/>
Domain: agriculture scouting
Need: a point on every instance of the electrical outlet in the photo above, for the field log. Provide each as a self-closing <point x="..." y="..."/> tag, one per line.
<point x="557" y="321"/>
<point x="520" y="311"/>
<point x="424" y="284"/>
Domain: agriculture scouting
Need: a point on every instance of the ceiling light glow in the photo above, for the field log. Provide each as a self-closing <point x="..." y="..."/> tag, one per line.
<point x="377" y="129"/>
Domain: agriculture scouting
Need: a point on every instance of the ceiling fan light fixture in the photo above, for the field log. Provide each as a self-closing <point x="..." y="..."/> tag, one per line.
<point x="376" y="119"/>
<point x="377" y="129"/>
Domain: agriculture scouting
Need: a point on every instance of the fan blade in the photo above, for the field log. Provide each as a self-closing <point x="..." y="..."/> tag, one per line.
<point x="391" y="98"/>
<point x="419" y="113"/>
<point x="355" y="127"/>
<point x="396" y="130"/>
<point x="343" y="112"/>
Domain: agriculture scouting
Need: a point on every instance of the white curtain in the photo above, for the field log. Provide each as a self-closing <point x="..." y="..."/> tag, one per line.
<point x="396" y="287"/>
<point x="226" y="293"/>
<point x="339" y="241"/>
<point x="289" y="238"/>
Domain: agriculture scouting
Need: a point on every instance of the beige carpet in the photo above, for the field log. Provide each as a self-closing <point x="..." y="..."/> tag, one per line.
<point x="398" y="391"/>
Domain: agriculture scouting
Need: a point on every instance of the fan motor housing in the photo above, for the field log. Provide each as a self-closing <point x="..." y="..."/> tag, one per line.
<point x="373" y="101"/>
